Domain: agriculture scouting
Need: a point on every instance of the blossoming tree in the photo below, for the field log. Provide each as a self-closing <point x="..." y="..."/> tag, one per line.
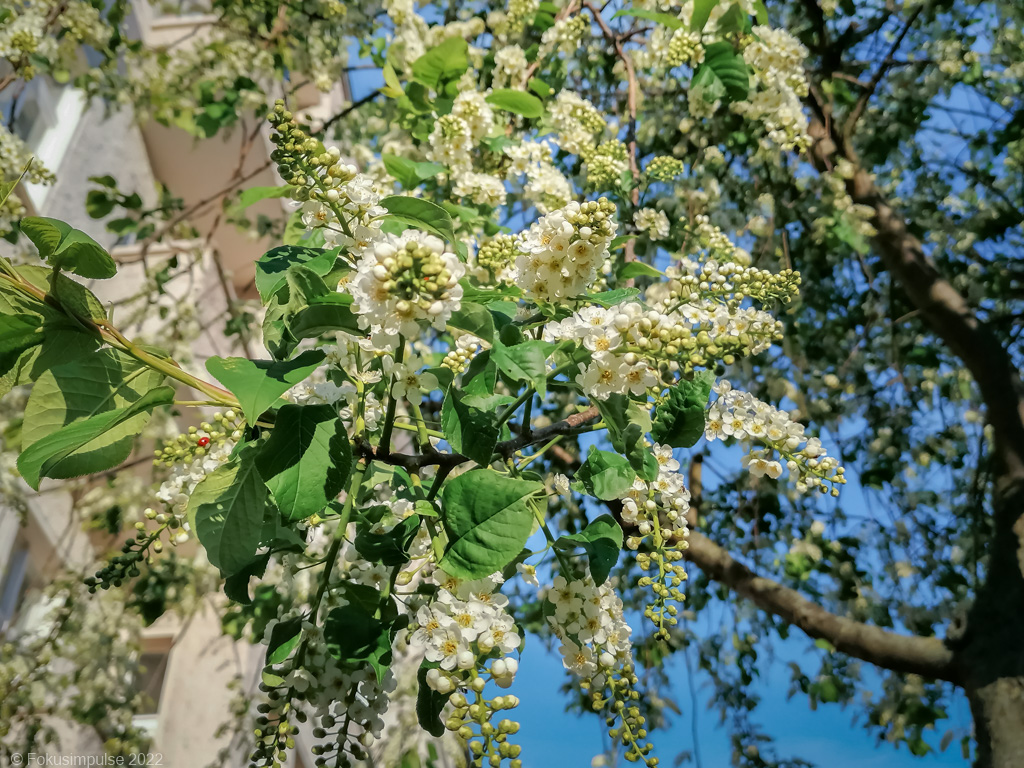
<point x="523" y="256"/>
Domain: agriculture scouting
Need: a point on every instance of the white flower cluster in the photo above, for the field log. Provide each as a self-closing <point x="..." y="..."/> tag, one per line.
<point x="563" y="36"/>
<point x="510" y="65"/>
<point x="652" y="221"/>
<point x="355" y="196"/>
<point x="589" y="623"/>
<point x="545" y="186"/>
<point x="577" y="122"/>
<point x="481" y="188"/>
<point x="742" y="416"/>
<point x="629" y="342"/>
<point x="560" y="255"/>
<point x="776" y="59"/>
<point x="660" y="505"/>
<point x="405" y="280"/>
<point x="456" y="134"/>
<point x="463" y="626"/>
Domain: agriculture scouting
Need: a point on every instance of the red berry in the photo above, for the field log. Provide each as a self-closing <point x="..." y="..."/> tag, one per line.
<point x="203" y="442"/>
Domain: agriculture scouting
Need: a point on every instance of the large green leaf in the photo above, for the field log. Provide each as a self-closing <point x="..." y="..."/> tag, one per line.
<point x="701" y="13"/>
<point x="605" y="475"/>
<point x="723" y="74"/>
<point x="470" y="431"/>
<point x="226" y="512"/>
<point x="475" y="319"/>
<point x="524" y="362"/>
<point x="410" y="173"/>
<point x="102" y="382"/>
<point x="67" y="248"/>
<point x="307" y="460"/>
<point x="355" y="637"/>
<point x="390" y="548"/>
<point x="42" y="456"/>
<point x="421" y="214"/>
<point x="517" y="102"/>
<point x="447" y="61"/>
<point x="272" y="266"/>
<point x="325" y="314"/>
<point x="488" y="521"/>
<point x="18" y="334"/>
<point x="602" y="540"/>
<point x="259" y="383"/>
<point x="679" y="418"/>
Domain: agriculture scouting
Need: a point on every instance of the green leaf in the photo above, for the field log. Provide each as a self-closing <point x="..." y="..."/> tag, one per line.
<point x="701" y="13"/>
<point x="271" y="267"/>
<point x="236" y="586"/>
<point x="307" y="460"/>
<point x="258" y="383"/>
<point x="45" y="454"/>
<point x="723" y="74"/>
<point x="284" y="638"/>
<point x="105" y="381"/>
<point x="294" y="230"/>
<point x="226" y="512"/>
<point x="679" y="418"/>
<point x="516" y="102"/>
<point x="429" y="703"/>
<point x="390" y="548"/>
<point x="421" y="214"/>
<point x="355" y="638"/>
<point x="611" y="298"/>
<point x="475" y="319"/>
<point x="67" y="248"/>
<point x="470" y="431"/>
<point x="602" y="540"/>
<point x="665" y="19"/>
<point x="606" y="475"/>
<point x="539" y="87"/>
<point x="325" y="314"/>
<point x="487" y="520"/>
<point x="524" y="362"/>
<point x="253" y="195"/>
<point x="761" y="12"/>
<point x="735" y="19"/>
<point x="409" y="173"/>
<point x="18" y="334"/>
<point x="637" y="269"/>
<point x="628" y="421"/>
<point x="8" y="186"/>
<point x="447" y="61"/>
<point x="621" y="240"/>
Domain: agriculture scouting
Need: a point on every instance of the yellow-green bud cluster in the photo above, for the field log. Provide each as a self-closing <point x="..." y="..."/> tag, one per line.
<point x="665" y="168"/>
<point x="488" y="743"/>
<point x="199" y="441"/>
<point x="606" y="164"/>
<point x="665" y="585"/>
<point x="731" y="283"/>
<point x="684" y="48"/>
<point x="626" y="724"/>
<point x="598" y="214"/>
<point x="498" y="254"/>
<point x="126" y="565"/>
<point x="274" y="732"/>
<point x="415" y="274"/>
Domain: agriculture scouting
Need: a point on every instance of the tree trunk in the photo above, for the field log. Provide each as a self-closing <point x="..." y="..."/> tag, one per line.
<point x="992" y="655"/>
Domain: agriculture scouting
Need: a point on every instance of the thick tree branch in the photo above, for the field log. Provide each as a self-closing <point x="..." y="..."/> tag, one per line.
<point x="927" y="656"/>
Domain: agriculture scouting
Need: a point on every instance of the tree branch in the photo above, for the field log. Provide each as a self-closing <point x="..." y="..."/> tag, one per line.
<point x="927" y="656"/>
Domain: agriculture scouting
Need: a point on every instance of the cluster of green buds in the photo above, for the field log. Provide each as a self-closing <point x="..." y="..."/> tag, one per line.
<point x="457" y="358"/>
<point x="619" y="697"/>
<point x="304" y="162"/>
<point x="665" y="168"/>
<point x="417" y="275"/>
<point x="134" y="552"/>
<point x="201" y="440"/>
<point x="684" y="47"/>
<point x="498" y="255"/>
<point x="275" y="733"/>
<point x="730" y="283"/>
<point x="488" y="743"/>
<point x="665" y="584"/>
<point x="606" y="164"/>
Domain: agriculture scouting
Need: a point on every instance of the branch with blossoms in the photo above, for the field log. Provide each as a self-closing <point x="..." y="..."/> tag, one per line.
<point x="387" y="463"/>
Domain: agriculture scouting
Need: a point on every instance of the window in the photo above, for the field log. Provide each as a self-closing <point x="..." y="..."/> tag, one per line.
<point x="155" y="656"/>
<point x="15" y="584"/>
